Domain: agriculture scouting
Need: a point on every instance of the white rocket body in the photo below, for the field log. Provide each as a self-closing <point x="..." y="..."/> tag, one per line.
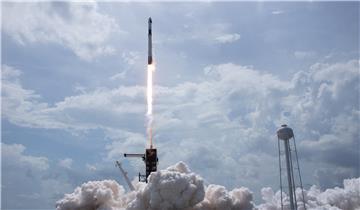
<point x="150" y="58"/>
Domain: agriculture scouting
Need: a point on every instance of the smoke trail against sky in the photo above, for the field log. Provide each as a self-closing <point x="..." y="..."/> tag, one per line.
<point x="149" y="96"/>
<point x="179" y="188"/>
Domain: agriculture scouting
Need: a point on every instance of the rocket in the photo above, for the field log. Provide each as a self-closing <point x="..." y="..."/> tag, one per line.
<point x="150" y="157"/>
<point x="150" y="58"/>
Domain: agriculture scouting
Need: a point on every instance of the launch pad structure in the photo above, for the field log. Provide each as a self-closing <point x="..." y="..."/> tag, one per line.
<point x="124" y="173"/>
<point x="151" y="160"/>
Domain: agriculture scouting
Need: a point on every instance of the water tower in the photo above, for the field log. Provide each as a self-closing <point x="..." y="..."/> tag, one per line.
<point x="286" y="154"/>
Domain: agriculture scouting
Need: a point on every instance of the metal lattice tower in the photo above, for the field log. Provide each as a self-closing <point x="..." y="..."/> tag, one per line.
<point x="286" y="154"/>
<point x="124" y="173"/>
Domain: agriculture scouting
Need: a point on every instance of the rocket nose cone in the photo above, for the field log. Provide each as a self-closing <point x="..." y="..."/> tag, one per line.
<point x="150" y="21"/>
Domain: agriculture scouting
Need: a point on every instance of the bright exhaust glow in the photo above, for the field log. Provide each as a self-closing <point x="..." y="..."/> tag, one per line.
<point x="149" y="95"/>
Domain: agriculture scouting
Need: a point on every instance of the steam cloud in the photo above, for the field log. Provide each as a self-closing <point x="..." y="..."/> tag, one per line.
<point x="347" y="198"/>
<point x="179" y="188"/>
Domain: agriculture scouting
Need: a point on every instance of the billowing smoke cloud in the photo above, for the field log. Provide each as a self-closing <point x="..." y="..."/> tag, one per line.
<point x="178" y="188"/>
<point x="174" y="188"/>
<point x="217" y="198"/>
<point x="106" y="194"/>
<point x="347" y="198"/>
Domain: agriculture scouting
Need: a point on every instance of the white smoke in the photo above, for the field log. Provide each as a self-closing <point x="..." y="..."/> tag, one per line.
<point x="218" y="198"/>
<point x="173" y="188"/>
<point x="106" y="194"/>
<point x="347" y="198"/>
<point x="178" y="188"/>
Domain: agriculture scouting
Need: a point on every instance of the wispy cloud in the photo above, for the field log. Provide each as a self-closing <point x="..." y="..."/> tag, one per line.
<point x="66" y="163"/>
<point x="118" y="76"/>
<point x="228" y="38"/>
<point x="277" y="12"/>
<point x="304" y="54"/>
<point x="90" y="167"/>
<point x="220" y="32"/>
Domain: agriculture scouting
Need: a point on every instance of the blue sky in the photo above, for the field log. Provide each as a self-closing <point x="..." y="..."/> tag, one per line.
<point x="227" y="75"/>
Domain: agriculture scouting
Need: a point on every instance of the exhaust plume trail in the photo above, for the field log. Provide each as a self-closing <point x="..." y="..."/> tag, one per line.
<point x="149" y="95"/>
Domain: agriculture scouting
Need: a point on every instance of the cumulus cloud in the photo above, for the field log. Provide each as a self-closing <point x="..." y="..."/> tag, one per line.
<point x="328" y="110"/>
<point x="178" y="188"/>
<point x="232" y="105"/>
<point x="13" y="154"/>
<point x="30" y="173"/>
<point x="328" y="176"/>
<point x="78" y="26"/>
<point x="22" y="106"/>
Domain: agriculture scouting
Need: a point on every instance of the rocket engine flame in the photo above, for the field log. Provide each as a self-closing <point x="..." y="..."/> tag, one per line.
<point x="149" y="95"/>
<point x="150" y="70"/>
